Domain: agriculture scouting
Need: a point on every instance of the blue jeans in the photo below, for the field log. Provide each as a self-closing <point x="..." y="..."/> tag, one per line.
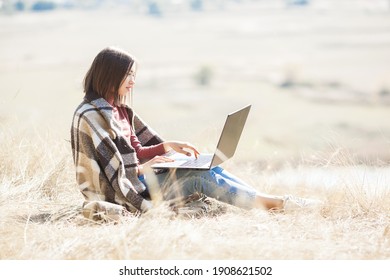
<point x="216" y="183"/>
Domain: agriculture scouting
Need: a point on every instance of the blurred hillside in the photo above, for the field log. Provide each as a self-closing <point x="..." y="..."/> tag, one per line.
<point x="166" y="7"/>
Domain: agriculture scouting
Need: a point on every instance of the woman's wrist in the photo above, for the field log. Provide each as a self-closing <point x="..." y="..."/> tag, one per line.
<point x="140" y="170"/>
<point x="167" y="146"/>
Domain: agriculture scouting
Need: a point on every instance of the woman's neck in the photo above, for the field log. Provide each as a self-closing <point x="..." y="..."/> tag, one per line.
<point x="111" y="101"/>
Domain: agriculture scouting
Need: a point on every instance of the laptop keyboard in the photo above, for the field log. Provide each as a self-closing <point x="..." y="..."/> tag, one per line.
<point x="200" y="161"/>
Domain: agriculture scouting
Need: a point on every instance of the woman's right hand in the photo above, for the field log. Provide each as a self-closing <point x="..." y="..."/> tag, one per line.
<point x="147" y="165"/>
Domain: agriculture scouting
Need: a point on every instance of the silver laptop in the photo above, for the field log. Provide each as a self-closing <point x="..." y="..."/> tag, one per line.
<point x="226" y="147"/>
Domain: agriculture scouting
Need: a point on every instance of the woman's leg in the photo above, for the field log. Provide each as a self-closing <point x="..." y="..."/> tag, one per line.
<point x="261" y="200"/>
<point x="216" y="183"/>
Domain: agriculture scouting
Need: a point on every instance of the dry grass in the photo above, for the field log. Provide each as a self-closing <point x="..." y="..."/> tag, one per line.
<point x="39" y="218"/>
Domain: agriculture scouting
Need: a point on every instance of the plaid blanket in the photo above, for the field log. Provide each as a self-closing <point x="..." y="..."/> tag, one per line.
<point x="106" y="164"/>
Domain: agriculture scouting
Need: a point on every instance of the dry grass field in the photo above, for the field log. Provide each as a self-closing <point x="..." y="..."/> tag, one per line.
<point x="318" y="78"/>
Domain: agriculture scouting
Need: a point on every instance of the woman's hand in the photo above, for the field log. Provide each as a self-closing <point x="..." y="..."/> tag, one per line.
<point x="147" y="165"/>
<point x="181" y="147"/>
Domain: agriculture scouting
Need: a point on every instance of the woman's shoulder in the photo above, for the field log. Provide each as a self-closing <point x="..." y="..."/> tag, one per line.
<point x="93" y="115"/>
<point x="84" y="108"/>
<point x="95" y="106"/>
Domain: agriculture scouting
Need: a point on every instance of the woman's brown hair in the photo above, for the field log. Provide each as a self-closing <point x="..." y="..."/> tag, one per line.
<point x="107" y="72"/>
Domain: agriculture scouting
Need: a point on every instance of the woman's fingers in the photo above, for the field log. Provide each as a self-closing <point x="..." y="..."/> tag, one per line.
<point x="196" y="152"/>
<point x="191" y="147"/>
<point x="183" y="148"/>
<point x="159" y="159"/>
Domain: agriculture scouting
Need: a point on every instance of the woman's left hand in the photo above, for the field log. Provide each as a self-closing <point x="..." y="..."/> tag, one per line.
<point x="181" y="147"/>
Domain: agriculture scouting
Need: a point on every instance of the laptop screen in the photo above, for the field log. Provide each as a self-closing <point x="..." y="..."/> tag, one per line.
<point x="230" y="135"/>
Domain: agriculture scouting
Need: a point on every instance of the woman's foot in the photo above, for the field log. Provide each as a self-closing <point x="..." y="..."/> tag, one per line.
<point x="293" y="203"/>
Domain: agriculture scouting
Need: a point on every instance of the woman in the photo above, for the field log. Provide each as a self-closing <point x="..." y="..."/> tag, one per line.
<point x="113" y="149"/>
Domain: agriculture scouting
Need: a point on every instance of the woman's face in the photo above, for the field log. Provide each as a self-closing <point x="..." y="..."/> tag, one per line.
<point x="127" y="83"/>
